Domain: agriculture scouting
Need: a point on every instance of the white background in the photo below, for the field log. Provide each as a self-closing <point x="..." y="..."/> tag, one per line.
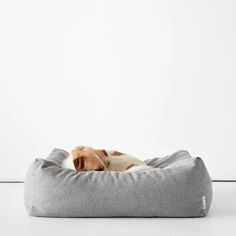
<point x="144" y="77"/>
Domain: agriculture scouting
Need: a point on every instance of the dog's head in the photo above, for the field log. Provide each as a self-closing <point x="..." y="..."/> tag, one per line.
<point x="89" y="159"/>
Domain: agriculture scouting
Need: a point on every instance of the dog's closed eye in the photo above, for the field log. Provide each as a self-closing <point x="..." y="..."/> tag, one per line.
<point x="99" y="169"/>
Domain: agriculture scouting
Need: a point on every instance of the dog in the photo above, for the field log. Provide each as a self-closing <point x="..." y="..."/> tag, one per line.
<point x="83" y="158"/>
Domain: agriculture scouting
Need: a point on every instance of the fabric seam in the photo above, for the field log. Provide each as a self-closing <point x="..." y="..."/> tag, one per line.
<point x="202" y="194"/>
<point x="32" y="208"/>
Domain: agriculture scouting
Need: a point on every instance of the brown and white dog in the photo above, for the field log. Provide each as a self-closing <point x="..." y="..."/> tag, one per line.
<point x="84" y="158"/>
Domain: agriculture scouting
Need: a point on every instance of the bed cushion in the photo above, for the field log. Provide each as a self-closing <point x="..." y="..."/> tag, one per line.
<point x="178" y="186"/>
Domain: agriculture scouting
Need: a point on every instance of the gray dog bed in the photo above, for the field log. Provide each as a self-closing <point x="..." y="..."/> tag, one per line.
<point x="178" y="186"/>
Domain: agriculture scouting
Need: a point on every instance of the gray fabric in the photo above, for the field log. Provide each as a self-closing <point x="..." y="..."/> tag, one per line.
<point x="168" y="160"/>
<point x="178" y="186"/>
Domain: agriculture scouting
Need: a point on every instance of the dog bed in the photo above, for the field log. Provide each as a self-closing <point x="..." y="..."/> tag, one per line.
<point x="177" y="186"/>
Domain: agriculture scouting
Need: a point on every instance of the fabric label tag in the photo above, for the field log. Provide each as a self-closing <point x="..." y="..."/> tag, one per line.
<point x="203" y="202"/>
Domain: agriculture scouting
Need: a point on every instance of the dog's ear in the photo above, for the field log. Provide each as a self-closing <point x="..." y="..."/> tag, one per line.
<point x="102" y="154"/>
<point x="79" y="163"/>
<point x="87" y="163"/>
<point x="78" y="157"/>
<point x="103" y="151"/>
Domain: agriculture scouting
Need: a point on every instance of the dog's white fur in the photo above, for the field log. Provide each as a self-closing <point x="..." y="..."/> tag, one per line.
<point x="117" y="163"/>
<point x="68" y="163"/>
<point x="121" y="162"/>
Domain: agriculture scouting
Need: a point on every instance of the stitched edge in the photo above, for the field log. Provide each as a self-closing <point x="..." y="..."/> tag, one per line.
<point x="202" y="192"/>
<point x="32" y="207"/>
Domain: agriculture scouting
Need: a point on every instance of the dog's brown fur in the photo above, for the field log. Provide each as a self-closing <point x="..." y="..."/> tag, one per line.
<point x="90" y="159"/>
<point x="85" y="159"/>
<point x="116" y="153"/>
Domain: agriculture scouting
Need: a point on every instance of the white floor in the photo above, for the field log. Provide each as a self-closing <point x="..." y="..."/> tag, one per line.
<point x="220" y="221"/>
